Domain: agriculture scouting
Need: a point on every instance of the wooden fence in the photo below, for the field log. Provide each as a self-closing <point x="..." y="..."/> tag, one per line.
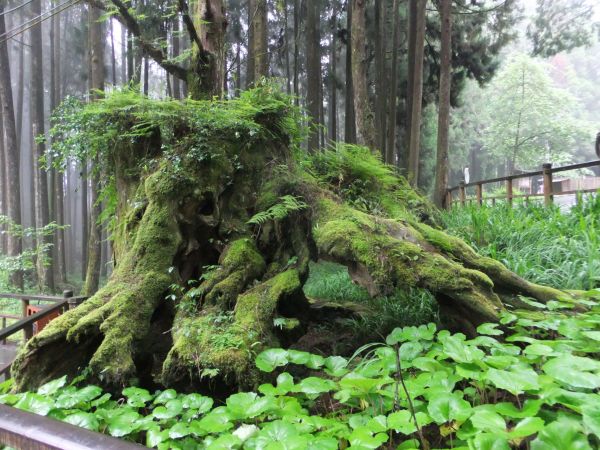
<point x="32" y="319"/>
<point x="548" y="191"/>
<point x="26" y="431"/>
<point x="23" y="430"/>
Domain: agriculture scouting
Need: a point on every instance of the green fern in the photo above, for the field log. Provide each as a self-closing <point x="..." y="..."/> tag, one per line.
<point x="279" y="211"/>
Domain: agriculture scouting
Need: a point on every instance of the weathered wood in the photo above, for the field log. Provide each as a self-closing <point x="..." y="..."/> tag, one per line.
<point x="479" y="193"/>
<point x="548" y="198"/>
<point x="462" y="193"/>
<point x="24" y="430"/>
<point x="27" y="322"/>
<point x="509" y="191"/>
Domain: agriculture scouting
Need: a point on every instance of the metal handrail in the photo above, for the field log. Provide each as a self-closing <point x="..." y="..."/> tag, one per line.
<point x="23" y="430"/>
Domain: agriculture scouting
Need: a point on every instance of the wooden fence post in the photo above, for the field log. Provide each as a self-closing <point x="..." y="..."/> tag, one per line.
<point x="463" y="195"/>
<point x="479" y="193"/>
<point x="24" y="304"/>
<point x="509" y="191"/>
<point x="548" y="198"/>
<point x="448" y="199"/>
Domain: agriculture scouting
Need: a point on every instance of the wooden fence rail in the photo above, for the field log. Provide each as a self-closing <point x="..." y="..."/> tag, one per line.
<point x="548" y="192"/>
<point x="26" y="431"/>
<point x="58" y="304"/>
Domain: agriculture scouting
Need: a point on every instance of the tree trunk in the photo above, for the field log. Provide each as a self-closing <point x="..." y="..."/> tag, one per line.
<point x="382" y="88"/>
<point x="333" y="74"/>
<point x="390" y="150"/>
<point x="417" y="94"/>
<point x="11" y="153"/>
<point x="350" y="119"/>
<point x="42" y="214"/>
<point x="190" y="225"/>
<point x="410" y="76"/>
<point x="296" y="50"/>
<point x="441" y="173"/>
<point x="3" y="186"/>
<point x="260" y="43"/>
<point x="365" y="125"/>
<point x="58" y="188"/>
<point x="286" y="37"/>
<point x="313" y="73"/>
<point x="175" y="46"/>
<point x="251" y="59"/>
<point x="207" y="74"/>
<point x="96" y="38"/>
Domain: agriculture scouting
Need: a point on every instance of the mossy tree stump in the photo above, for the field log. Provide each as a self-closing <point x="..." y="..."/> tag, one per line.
<point x="197" y="287"/>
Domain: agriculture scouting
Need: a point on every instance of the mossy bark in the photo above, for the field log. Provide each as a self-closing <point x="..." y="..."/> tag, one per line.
<point x="196" y="289"/>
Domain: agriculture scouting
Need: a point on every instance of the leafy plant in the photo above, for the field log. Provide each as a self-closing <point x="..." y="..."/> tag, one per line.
<point x="531" y="382"/>
<point x="279" y="211"/>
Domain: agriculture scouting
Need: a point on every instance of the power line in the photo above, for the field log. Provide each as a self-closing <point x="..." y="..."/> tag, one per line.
<point x="34" y="19"/>
<point x="38" y="20"/>
<point x="16" y="7"/>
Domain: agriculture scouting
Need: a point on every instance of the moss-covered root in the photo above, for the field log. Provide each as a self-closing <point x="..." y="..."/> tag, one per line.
<point x="223" y="345"/>
<point x="105" y="332"/>
<point x="240" y="264"/>
<point x="506" y="283"/>
<point x="384" y="254"/>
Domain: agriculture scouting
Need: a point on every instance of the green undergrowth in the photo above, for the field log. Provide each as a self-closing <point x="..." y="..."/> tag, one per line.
<point x="530" y="382"/>
<point x="329" y="282"/>
<point x="544" y="245"/>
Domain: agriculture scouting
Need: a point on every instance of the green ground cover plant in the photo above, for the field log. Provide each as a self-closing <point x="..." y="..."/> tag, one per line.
<point x="529" y="382"/>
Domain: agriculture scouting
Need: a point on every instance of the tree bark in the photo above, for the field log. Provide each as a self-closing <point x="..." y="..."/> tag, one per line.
<point x="11" y="153"/>
<point x="207" y="74"/>
<point x="382" y="88"/>
<point x="391" y="153"/>
<point x="261" y="51"/>
<point x="410" y="76"/>
<point x="42" y="214"/>
<point x="296" y="51"/>
<point x="441" y="174"/>
<point x="58" y="188"/>
<point x="313" y="73"/>
<point x="350" y="119"/>
<point x="175" y="46"/>
<point x="251" y="59"/>
<point x="96" y="38"/>
<point x="333" y="74"/>
<point x="365" y="125"/>
<point x="417" y="94"/>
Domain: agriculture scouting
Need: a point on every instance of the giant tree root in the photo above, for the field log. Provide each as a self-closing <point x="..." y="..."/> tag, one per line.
<point x="197" y="292"/>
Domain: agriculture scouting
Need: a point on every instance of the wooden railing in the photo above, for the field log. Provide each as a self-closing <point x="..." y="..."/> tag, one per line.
<point x="26" y="431"/>
<point x="548" y="192"/>
<point x="26" y="324"/>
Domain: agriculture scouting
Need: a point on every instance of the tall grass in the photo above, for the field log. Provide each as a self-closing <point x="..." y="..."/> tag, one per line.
<point x="376" y="316"/>
<point x="542" y="244"/>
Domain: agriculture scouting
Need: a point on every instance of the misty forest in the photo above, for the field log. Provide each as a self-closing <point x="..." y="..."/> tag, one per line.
<point x="300" y="224"/>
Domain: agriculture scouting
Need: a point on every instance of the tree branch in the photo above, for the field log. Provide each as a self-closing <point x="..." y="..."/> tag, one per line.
<point x="189" y="24"/>
<point x="128" y="21"/>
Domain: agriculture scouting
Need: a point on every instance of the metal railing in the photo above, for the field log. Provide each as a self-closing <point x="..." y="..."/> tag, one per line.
<point x="548" y="192"/>
<point x="23" y="430"/>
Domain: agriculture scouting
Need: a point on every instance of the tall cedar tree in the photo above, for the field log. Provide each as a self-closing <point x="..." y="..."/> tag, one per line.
<point x="416" y="89"/>
<point x="11" y="153"/>
<point x="441" y="172"/>
<point x="42" y="212"/>
<point x="365" y="125"/>
<point x="313" y="71"/>
<point x="96" y="61"/>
